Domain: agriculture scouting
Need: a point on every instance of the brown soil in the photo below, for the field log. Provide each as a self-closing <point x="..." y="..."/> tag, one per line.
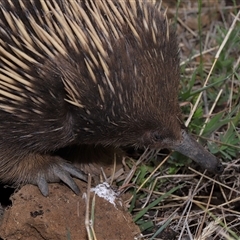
<point x="61" y="215"/>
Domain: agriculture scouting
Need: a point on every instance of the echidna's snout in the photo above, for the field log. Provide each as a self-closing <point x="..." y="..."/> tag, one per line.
<point x="189" y="147"/>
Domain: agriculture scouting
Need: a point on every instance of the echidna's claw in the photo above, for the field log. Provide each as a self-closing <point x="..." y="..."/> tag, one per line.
<point x="42" y="185"/>
<point x="65" y="174"/>
<point x="60" y="171"/>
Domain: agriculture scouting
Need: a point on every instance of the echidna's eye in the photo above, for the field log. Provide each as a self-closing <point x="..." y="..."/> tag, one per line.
<point x="156" y="137"/>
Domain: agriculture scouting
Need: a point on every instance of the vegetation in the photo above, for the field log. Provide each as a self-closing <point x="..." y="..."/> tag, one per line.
<point x="176" y="200"/>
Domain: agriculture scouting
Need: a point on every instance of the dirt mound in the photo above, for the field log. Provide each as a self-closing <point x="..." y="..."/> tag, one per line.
<point x="61" y="215"/>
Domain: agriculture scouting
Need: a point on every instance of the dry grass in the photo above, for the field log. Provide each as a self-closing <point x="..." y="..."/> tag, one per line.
<point x="201" y="206"/>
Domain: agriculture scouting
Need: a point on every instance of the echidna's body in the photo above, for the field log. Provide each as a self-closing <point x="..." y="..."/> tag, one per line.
<point x="85" y="72"/>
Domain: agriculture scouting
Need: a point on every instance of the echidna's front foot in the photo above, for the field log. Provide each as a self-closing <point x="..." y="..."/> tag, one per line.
<point x="61" y="171"/>
<point x="39" y="169"/>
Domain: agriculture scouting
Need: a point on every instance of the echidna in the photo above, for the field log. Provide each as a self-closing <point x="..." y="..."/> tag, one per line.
<point x="86" y="72"/>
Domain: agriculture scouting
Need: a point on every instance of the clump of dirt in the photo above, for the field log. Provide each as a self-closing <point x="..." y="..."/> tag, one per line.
<point x="61" y="215"/>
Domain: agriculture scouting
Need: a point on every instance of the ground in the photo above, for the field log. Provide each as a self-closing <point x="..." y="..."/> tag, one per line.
<point x="61" y="216"/>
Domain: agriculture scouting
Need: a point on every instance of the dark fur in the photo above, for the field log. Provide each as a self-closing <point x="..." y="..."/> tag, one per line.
<point x="44" y="121"/>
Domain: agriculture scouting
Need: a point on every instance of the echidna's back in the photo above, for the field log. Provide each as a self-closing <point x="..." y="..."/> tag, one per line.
<point x="107" y="64"/>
